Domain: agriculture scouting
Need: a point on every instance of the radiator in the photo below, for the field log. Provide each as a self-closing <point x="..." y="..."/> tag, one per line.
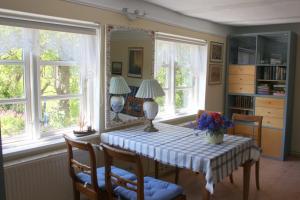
<point x="45" y="178"/>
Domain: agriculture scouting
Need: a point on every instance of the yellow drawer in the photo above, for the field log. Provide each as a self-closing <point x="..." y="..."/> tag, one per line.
<point x="241" y="79"/>
<point x="242" y="69"/>
<point x="271" y="142"/>
<point x="269" y="112"/>
<point x="269" y="102"/>
<point x="241" y="88"/>
<point x="273" y="122"/>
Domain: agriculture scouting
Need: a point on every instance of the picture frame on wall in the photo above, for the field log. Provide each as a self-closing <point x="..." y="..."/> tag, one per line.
<point x="215" y="74"/>
<point x="116" y="68"/>
<point x="216" y="52"/>
<point x="135" y="65"/>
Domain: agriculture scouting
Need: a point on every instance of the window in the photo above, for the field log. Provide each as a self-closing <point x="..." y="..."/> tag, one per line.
<point x="180" y="68"/>
<point x="44" y="76"/>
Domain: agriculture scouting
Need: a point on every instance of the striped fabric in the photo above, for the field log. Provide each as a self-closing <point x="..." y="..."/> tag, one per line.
<point x="187" y="148"/>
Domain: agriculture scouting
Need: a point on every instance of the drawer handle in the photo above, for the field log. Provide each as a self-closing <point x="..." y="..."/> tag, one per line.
<point x="269" y="112"/>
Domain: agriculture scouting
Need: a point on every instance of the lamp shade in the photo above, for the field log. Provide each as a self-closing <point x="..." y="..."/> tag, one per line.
<point x="118" y="85"/>
<point x="150" y="89"/>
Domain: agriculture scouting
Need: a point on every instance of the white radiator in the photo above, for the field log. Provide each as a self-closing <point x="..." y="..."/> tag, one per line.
<point x="46" y="178"/>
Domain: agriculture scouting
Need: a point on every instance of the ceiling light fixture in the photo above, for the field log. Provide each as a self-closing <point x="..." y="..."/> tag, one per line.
<point x="136" y="14"/>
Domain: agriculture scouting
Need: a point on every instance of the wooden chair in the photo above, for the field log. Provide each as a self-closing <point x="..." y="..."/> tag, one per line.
<point x="129" y="189"/>
<point x="89" y="180"/>
<point x="254" y="122"/>
<point x="91" y="190"/>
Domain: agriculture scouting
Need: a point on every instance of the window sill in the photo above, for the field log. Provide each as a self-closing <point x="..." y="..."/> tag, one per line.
<point x="40" y="147"/>
<point x="175" y="119"/>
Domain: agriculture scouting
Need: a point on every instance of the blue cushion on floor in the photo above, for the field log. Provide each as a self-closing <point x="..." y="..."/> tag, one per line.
<point x="86" y="178"/>
<point x="154" y="189"/>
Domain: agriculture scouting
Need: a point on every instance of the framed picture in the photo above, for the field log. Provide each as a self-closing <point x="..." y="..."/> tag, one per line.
<point x="215" y="74"/>
<point x="135" y="66"/>
<point x="216" y="52"/>
<point x="116" y="68"/>
<point x="134" y="106"/>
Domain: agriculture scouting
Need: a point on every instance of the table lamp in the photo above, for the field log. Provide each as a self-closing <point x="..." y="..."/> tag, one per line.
<point x="149" y="90"/>
<point x="117" y="88"/>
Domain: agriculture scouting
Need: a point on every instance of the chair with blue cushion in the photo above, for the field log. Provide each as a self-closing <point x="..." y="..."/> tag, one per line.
<point x="88" y="179"/>
<point x="142" y="188"/>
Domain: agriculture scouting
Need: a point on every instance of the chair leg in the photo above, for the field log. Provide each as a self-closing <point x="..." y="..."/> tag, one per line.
<point x="176" y="175"/>
<point x="76" y="194"/>
<point x="156" y="168"/>
<point x="231" y="178"/>
<point x="257" y="175"/>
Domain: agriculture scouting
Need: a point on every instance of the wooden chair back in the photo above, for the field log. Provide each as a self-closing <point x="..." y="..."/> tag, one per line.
<point x="76" y="166"/>
<point x="200" y="112"/>
<point x="255" y="122"/>
<point x="111" y="154"/>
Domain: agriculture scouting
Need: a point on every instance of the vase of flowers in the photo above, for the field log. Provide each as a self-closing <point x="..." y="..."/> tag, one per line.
<point x="215" y="126"/>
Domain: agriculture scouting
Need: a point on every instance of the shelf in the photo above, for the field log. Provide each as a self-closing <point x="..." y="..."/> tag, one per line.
<point x="241" y="108"/>
<point x="271" y="96"/>
<point x="265" y="80"/>
<point x="271" y="65"/>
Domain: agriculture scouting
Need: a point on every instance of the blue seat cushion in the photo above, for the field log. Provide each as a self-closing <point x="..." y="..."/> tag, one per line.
<point x="154" y="189"/>
<point x="86" y="178"/>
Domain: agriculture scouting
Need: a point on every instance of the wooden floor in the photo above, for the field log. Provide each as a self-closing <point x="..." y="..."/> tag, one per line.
<point x="279" y="180"/>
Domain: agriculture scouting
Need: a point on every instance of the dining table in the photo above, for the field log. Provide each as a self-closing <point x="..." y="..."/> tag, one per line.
<point x="187" y="148"/>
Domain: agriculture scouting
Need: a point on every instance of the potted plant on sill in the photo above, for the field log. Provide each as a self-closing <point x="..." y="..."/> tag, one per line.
<point x="215" y="126"/>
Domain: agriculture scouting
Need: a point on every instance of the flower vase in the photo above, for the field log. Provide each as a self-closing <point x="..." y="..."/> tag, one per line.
<point x="215" y="137"/>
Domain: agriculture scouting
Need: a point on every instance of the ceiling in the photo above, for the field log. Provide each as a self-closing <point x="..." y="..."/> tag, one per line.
<point x="237" y="12"/>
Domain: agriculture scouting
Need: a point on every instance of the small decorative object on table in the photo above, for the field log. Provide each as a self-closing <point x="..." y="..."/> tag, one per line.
<point x="215" y="126"/>
<point x="81" y="132"/>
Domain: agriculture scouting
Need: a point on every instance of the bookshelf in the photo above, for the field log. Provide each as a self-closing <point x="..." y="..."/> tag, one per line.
<point x="260" y="81"/>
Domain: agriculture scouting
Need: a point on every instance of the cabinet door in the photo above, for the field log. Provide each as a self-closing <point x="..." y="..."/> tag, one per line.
<point x="269" y="102"/>
<point x="240" y="88"/>
<point x="242" y="69"/>
<point x="271" y="142"/>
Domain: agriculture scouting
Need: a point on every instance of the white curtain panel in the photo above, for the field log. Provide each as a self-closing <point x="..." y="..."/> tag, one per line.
<point x="84" y="52"/>
<point x="193" y="57"/>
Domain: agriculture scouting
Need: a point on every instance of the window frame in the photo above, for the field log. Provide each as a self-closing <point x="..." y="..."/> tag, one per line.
<point x="32" y="98"/>
<point x="171" y="88"/>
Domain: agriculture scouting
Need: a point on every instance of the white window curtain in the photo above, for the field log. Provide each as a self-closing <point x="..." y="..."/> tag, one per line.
<point x="180" y="68"/>
<point x="84" y="52"/>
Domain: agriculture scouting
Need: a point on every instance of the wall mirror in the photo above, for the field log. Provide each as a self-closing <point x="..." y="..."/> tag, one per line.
<point x="129" y="60"/>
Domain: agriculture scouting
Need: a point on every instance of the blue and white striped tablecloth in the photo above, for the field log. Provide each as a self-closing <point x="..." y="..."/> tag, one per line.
<point x="179" y="146"/>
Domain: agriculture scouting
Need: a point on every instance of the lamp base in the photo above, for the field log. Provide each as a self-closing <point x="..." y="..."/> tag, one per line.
<point x="150" y="127"/>
<point x="117" y="118"/>
<point x="117" y="105"/>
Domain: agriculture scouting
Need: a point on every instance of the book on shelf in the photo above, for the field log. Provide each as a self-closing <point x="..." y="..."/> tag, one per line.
<point x="273" y="73"/>
<point x="243" y="102"/>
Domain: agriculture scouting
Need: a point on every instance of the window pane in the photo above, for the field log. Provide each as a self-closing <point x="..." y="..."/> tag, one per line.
<point x="161" y="101"/>
<point x="183" y="77"/>
<point x="59" y="46"/>
<point x="11" y="81"/>
<point x="57" y="114"/>
<point x="11" y="40"/>
<point x="12" y="120"/>
<point x="59" y="80"/>
<point x="162" y="76"/>
<point x="183" y="99"/>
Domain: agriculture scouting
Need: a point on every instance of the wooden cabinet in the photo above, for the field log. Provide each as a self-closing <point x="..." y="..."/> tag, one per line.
<point x="241" y="79"/>
<point x="272" y="111"/>
<point x="271" y="142"/>
<point x="269" y="102"/>
<point x="260" y="79"/>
